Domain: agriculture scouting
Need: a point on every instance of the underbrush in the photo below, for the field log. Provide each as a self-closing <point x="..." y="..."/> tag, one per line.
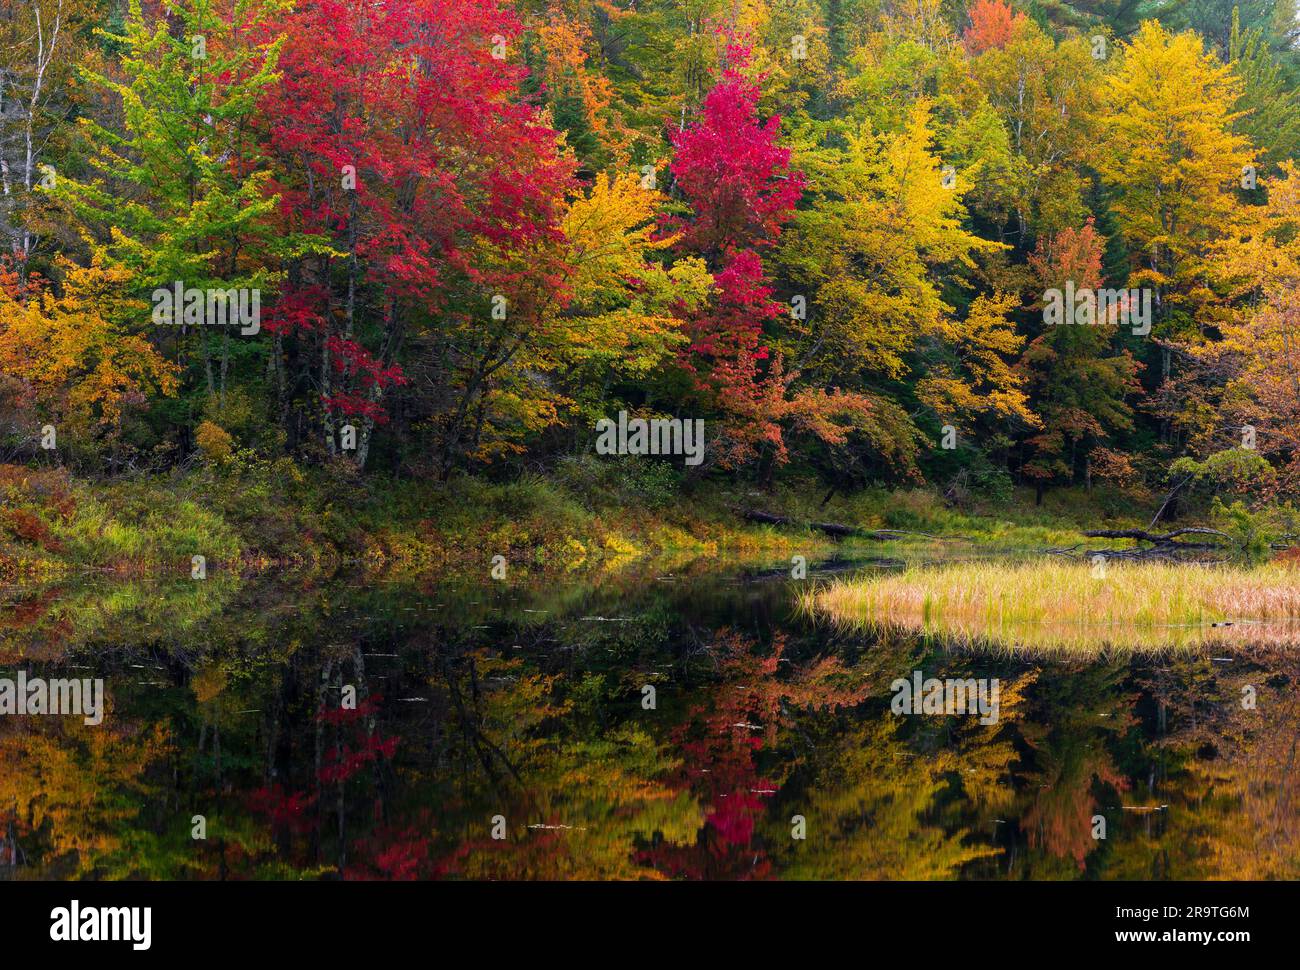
<point x="246" y="512"/>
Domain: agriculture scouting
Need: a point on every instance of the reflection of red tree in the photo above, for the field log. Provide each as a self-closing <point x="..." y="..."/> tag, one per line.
<point x="1060" y="820"/>
<point x="285" y="811"/>
<point x="289" y="812"/>
<point x="392" y="852"/>
<point x="720" y="742"/>
<point x="26" y="615"/>
<point x="342" y="763"/>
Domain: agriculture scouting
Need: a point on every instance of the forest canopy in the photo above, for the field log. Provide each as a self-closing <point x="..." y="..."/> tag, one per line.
<point x="830" y="229"/>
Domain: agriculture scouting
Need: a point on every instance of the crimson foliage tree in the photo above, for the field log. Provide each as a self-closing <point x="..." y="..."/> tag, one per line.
<point x="411" y="158"/>
<point x="741" y="189"/>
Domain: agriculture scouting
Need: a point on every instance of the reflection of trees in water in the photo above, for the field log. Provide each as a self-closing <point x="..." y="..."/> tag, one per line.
<point x="59" y="621"/>
<point x="74" y="796"/>
<point x="1232" y="782"/>
<point x="529" y="708"/>
<point x="1067" y="774"/>
<point x="875" y="810"/>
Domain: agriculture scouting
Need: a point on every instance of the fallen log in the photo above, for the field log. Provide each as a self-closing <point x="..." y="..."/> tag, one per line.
<point x="835" y="529"/>
<point x="1166" y="538"/>
<point x="1175" y="551"/>
<point x="767" y="518"/>
<point x="830" y="528"/>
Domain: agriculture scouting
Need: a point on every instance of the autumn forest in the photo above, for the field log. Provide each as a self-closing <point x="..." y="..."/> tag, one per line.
<point x="603" y="439"/>
<point x="825" y="228"/>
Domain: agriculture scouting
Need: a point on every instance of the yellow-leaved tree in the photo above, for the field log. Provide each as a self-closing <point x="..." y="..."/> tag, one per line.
<point x="874" y="253"/>
<point x="1175" y="163"/>
<point x="611" y="319"/>
<point x="979" y="376"/>
<point x="620" y="315"/>
<point x="1260" y="266"/>
<point x="70" y="352"/>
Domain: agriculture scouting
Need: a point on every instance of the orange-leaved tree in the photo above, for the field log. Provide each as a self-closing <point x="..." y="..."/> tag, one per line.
<point x="77" y="365"/>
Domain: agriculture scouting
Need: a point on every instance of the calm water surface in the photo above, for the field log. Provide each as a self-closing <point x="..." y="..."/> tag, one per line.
<point x="526" y="711"/>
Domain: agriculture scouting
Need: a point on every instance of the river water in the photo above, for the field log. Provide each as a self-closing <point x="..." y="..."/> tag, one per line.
<point x="662" y="721"/>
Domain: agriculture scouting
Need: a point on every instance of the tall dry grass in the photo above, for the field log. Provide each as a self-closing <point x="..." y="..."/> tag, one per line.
<point x="1054" y="605"/>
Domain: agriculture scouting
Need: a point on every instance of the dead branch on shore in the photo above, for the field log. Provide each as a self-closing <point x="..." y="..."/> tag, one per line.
<point x="1165" y="539"/>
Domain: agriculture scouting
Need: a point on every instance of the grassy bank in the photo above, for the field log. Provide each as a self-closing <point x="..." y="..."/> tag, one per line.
<point x="249" y="514"/>
<point x="1055" y="605"/>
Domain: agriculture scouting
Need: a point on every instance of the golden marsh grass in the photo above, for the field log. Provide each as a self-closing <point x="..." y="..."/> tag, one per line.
<point x="1073" y="607"/>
